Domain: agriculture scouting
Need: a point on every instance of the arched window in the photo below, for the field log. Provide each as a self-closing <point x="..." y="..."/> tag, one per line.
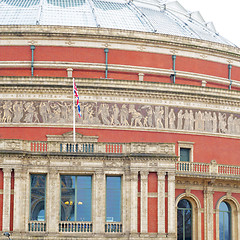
<point x="224" y="221"/>
<point x="184" y="220"/>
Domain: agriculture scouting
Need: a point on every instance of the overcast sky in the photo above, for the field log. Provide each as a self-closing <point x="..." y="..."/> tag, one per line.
<point x="225" y="15"/>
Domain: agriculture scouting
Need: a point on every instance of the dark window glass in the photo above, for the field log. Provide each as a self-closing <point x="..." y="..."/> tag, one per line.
<point x="184" y="220"/>
<point x="185" y="154"/>
<point x="224" y="221"/>
<point x="113" y="199"/>
<point x="38" y="193"/>
<point x="76" y="198"/>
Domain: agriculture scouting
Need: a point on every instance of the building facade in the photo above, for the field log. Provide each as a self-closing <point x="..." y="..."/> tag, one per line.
<point x="156" y="154"/>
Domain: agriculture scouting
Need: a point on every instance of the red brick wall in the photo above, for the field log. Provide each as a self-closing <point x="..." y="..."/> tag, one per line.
<point x="1" y="198"/>
<point x="229" y="153"/>
<point x="152" y="203"/>
<point x="121" y="57"/>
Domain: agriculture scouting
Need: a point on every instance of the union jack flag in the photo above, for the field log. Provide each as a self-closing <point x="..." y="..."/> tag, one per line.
<point x="76" y="95"/>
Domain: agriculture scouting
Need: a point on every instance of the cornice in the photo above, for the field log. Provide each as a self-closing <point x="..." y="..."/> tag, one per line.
<point x="71" y="34"/>
<point x="121" y="68"/>
<point x="108" y="87"/>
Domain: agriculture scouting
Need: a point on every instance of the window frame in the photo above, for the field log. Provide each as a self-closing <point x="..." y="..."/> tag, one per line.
<point x="45" y="197"/>
<point x="121" y="198"/>
<point x="75" y="197"/>
<point x="188" y="145"/>
<point x="192" y="217"/>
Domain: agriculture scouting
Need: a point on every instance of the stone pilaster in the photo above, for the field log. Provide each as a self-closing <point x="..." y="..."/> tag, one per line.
<point x="126" y="207"/>
<point x="208" y="213"/>
<point x="17" y="211"/>
<point x="134" y="201"/>
<point x="171" y="203"/>
<point x="6" y="199"/>
<point x="52" y="202"/>
<point x="25" y="198"/>
<point x="144" y="202"/>
<point x="161" y="202"/>
<point x="98" y="207"/>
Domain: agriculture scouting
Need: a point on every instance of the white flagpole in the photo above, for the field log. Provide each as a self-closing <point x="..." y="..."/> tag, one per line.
<point x="74" y="130"/>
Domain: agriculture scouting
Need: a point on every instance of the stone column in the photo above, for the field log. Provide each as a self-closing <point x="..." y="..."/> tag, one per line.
<point x="126" y="202"/>
<point x="98" y="207"/>
<point x="6" y="199"/>
<point x="144" y="202"/>
<point x="17" y="211"/>
<point x="208" y="213"/>
<point x="161" y="202"/>
<point x="52" y="202"/>
<point x="171" y="204"/>
<point x="134" y="202"/>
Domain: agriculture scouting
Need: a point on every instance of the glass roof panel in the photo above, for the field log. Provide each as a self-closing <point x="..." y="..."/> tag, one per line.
<point x="137" y="15"/>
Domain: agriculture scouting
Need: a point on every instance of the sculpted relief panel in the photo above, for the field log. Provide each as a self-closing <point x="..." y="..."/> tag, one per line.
<point x="120" y="114"/>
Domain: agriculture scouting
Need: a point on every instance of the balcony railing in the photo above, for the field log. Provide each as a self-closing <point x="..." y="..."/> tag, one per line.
<point x="36" y="226"/>
<point x="75" y="227"/>
<point x="68" y="147"/>
<point x="114" y="227"/>
<point x="208" y="168"/>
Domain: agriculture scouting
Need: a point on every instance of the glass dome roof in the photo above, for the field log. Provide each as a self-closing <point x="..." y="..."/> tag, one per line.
<point x="157" y="16"/>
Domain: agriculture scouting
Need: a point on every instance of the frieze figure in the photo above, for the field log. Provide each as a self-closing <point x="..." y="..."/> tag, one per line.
<point x="199" y="121"/>
<point x="31" y="115"/>
<point x="124" y="115"/>
<point x="88" y="113"/>
<point x="222" y="122"/>
<point x="180" y="119"/>
<point x="148" y="119"/>
<point x="104" y="113"/>
<point x="44" y="111"/>
<point x="191" y="120"/>
<point x="214" y="123"/>
<point x="136" y="116"/>
<point x="7" y="112"/>
<point x="17" y="111"/>
<point x="208" y="122"/>
<point x="56" y="113"/>
<point x="115" y="115"/>
<point x="159" y="116"/>
<point x="186" y="117"/>
<point x="172" y="119"/>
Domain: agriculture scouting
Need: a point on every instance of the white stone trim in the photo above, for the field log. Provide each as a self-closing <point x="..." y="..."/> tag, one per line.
<point x="189" y="145"/>
<point x="196" y="211"/>
<point x="6" y="199"/>
<point x="138" y="70"/>
<point x="235" y="216"/>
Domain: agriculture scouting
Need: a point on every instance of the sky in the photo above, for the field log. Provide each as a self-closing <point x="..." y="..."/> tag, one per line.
<point x="225" y="16"/>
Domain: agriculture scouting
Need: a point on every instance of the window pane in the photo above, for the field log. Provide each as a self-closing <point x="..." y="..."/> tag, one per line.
<point x="184" y="220"/>
<point x="221" y="226"/>
<point x="84" y="198"/>
<point x="224" y="221"/>
<point x="37" y="212"/>
<point x="67" y="198"/>
<point x="180" y="224"/>
<point x="185" y="154"/>
<point x="76" y="198"/>
<point x="188" y="224"/>
<point x="113" y="199"/>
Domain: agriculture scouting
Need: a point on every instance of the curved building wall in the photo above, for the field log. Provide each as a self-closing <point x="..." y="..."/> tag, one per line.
<point x="136" y="120"/>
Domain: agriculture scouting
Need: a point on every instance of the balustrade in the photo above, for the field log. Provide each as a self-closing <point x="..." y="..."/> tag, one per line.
<point x="113" y="227"/>
<point x="39" y="146"/>
<point x="75" y="227"/>
<point x="36" y="226"/>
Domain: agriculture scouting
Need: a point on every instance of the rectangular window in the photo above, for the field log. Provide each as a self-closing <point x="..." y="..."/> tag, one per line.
<point x="185" y="154"/>
<point x="113" y="199"/>
<point x="38" y="197"/>
<point x="76" y="198"/>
